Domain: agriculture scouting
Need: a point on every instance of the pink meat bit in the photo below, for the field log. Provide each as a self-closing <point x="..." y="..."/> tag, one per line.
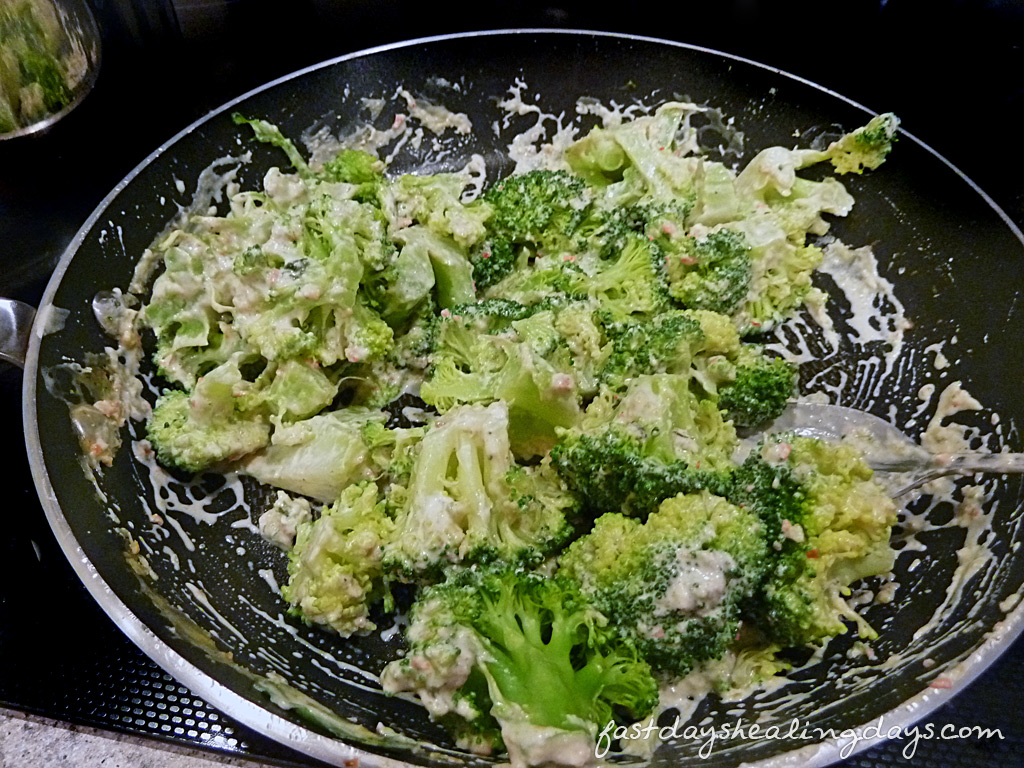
<point x="561" y="382"/>
<point x="941" y="682"/>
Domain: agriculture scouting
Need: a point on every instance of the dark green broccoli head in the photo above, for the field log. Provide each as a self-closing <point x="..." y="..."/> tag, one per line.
<point x="711" y="273"/>
<point x="539" y="210"/>
<point x="630" y="453"/>
<point x="493" y="262"/>
<point x="609" y="471"/>
<point x="673" y="585"/>
<point x="665" y="343"/>
<point x="607" y="230"/>
<point x="760" y="391"/>
<point x="534" y="207"/>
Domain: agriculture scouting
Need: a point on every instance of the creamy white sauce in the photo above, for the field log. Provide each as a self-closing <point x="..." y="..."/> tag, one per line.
<point x="699" y="583"/>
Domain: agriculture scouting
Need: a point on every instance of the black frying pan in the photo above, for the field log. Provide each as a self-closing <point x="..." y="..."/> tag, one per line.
<point x="198" y="604"/>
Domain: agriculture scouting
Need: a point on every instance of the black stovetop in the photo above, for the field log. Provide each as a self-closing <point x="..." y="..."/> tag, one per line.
<point x="956" y="80"/>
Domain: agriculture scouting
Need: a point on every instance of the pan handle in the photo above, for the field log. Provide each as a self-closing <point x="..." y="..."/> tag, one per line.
<point x="15" y="327"/>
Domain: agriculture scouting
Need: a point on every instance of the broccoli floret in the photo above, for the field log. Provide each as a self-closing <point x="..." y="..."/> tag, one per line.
<point x="781" y="284"/>
<point x="539" y="210"/>
<point x="534" y="207"/>
<point x="632" y="283"/>
<point x="639" y="155"/>
<point x="665" y="343"/>
<point x="828" y="524"/>
<point x="656" y="441"/>
<point x="527" y="655"/>
<point x="494" y="262"/>
<point x="567" y="333"/>
<point x="435" y="202"/>
<point x="583" y="348"/>
<point x="353" y="166"/>
<point x="674" y="585"/>
<point x="334" y="569"/>
<point x="470" y="366"/>
<point x="749" y="661"/>
<point x="866" y="147"/>
<point x="543" y="280"/>
<point x="318" y="457"/>
<point x="467" y="500"/>
<point x="760" y="390"/>
<point x="196" y="430"/>
<point x="712" y="273"/>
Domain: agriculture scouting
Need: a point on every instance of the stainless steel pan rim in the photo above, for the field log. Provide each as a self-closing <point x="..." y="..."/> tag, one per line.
<point x="309" y="742"/>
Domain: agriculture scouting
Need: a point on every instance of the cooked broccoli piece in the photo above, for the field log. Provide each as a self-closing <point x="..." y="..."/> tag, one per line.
<point x="510" y="658"/>
<point x="493" y="262"/>
<point x="673" y="585"/>
<point x="712" y="273"/>
<point x="467" y="500"/>
<point x="666" y="343"/>
<point x="194" y="431"/>
<point x="435" y="202"/>
<point x="334" y="569"/>
<point x="583" y="348"/>
<point x="656" y="441"/>
<point x="828" y="524"/>
<point x="279" y="524"/>
<point x="780" y="285"/>
<point x="640" y="156"/>
<point x="452" y="271"/>
<point x="661" y="222"/>
<point x="267" y="133"/>
<point x="545" y="280"/>
<point x="748" y="661"/>
<point x="318" y="457"/>
<point x="566" y="332"/>
<point x="351" y="166"/>
<point x="760" y="390"/>
<point x="470" y="366"/>
<point x="538" y="210"/>
<point x="633" y="283"/>
<point x="866" y="147"/>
